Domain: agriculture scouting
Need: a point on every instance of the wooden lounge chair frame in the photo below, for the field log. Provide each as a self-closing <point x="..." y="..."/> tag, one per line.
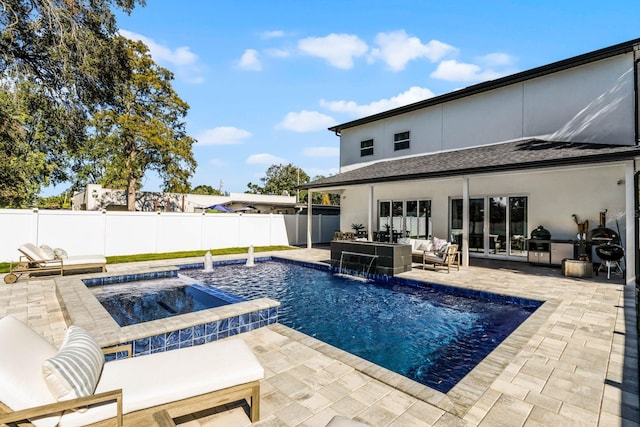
<point x="450" y="257"/>
<point x="249" y="391"/>
<point x="28" y="265"/>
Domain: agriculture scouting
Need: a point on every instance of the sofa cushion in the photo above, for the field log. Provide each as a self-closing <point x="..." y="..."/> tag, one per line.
<point x="21" y="383"/>
<point x="424" y="245"/>
<point x="74" y="371"/>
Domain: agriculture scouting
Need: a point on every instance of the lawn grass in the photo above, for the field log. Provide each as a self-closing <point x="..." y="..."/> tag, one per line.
<point x="4" y="266"/>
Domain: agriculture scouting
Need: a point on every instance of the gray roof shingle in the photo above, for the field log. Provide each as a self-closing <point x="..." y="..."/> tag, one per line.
<point x="517" y="155"/>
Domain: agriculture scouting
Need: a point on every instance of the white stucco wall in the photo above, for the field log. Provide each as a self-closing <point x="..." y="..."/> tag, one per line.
<point x="590" y="103"/>
<point x="553" y="196"/>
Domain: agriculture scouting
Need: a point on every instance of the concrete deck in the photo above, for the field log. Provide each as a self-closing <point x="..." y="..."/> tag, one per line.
<point x="573" y="362"/>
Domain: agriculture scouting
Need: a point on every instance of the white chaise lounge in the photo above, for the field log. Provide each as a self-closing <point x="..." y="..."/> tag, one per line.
<point x="34" y="373"/>
<point x="34" y="260"/>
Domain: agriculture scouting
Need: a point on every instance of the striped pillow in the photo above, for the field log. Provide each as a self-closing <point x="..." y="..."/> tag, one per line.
<point x="74" y="371"/>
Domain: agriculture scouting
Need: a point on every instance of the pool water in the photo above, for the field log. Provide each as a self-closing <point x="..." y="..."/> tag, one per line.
<point x="428" y="335"/>
<point x="136" y="302"/>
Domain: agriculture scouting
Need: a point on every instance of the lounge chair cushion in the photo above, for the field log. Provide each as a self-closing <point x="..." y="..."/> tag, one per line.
<point x="168" y="376"/>
<point x="33" y="252"/>
<point x="74" y="371"/>
<point x="21" y="383"/>
<point x="48" y="251"/>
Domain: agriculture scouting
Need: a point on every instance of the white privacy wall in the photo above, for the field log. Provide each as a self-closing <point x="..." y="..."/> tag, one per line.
<point x="127" y="233"/>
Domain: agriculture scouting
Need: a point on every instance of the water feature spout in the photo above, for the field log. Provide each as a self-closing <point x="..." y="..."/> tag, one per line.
<point x="250" y="262"/>
<point x="208" y="262"/>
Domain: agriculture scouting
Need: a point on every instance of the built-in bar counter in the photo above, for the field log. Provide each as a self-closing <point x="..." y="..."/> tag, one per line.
<point x="372" y="257"/>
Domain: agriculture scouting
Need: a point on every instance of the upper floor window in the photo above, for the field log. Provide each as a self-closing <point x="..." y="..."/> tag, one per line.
<point x="401" y="141"/>
<point x="366" y="148"/>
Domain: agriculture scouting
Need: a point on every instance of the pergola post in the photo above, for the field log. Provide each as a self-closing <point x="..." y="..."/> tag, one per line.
<point x="465" y="221"/>
<point x="309" y="219"/>
<point x="370" y="215"/>
<point x="630" y="224"/>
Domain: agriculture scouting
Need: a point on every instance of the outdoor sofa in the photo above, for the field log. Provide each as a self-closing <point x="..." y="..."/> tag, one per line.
<point x="36" y="260"/>
<point x="434" y="251"/>
<point x="40" y="383"/>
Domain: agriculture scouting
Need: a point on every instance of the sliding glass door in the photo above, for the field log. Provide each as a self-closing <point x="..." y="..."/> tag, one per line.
<point x="502" y="231"/>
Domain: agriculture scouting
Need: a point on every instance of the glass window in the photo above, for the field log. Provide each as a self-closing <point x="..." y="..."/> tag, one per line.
<point x="366" y="148"/>
<point x="401" y="141"/>
<point x="397" y="218"/>
<point x="424" y="219"/>
<point x="476" y="225"/>
<point x="498" y="225"/>
<point x="518" y="225"/>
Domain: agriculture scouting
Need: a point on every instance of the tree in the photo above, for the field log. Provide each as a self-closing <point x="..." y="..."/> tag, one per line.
<point x="280" y="179"/>
<point x="142" y="130"/>
<point x="23" y="169"/>
<point x="207" y="189"/>
<point x="67" y="46"/>
<point x="60" y="60"/>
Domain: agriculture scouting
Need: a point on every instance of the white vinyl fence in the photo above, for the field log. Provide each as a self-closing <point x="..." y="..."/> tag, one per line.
<point x="127" y="233"/>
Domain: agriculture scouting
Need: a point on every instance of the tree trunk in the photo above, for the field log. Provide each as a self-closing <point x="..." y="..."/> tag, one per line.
<point x="131" y="195"/>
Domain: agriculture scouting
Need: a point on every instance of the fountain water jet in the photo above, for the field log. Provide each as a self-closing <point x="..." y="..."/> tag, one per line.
<point x="208" y="262"/>
<point x="250" y="262"/>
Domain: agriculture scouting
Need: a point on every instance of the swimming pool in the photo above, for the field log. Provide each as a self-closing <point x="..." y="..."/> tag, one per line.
<point x="134" y="302"/>
<point x="428" y="334"/>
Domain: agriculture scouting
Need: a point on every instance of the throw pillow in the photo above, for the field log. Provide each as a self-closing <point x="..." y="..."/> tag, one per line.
<point x="60" y="253"/>
<point x="75" y="370"/>
<point x="443" y="249"/>
<point x="438" y="243"/>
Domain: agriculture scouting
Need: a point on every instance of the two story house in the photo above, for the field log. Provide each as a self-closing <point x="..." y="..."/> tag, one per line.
<point x="486" y="165"/>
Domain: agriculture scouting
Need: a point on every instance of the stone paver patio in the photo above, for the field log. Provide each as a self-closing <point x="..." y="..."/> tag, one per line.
<point x="573" y="362"/>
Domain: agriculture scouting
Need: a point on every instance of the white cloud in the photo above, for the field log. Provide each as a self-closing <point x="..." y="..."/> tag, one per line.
<point x="250" y="61"/>
<point x="264" y="159"/>
<point x="497" y="59"/>
<point x="413" y="94"/>
<point x="272" y="34"/>
<point x="306" y="121"/>
<point x="183" y="62"/>
<point x="222" y="135"/>
<point x="397" y="49"/>
<point x="321" y="152"/>
<point x="338" y="49"/>
<point x="454" y="71"/>
<point x="277" y="53"/>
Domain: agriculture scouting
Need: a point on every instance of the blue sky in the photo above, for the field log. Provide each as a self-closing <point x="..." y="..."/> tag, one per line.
<point x="264" y="79"/>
